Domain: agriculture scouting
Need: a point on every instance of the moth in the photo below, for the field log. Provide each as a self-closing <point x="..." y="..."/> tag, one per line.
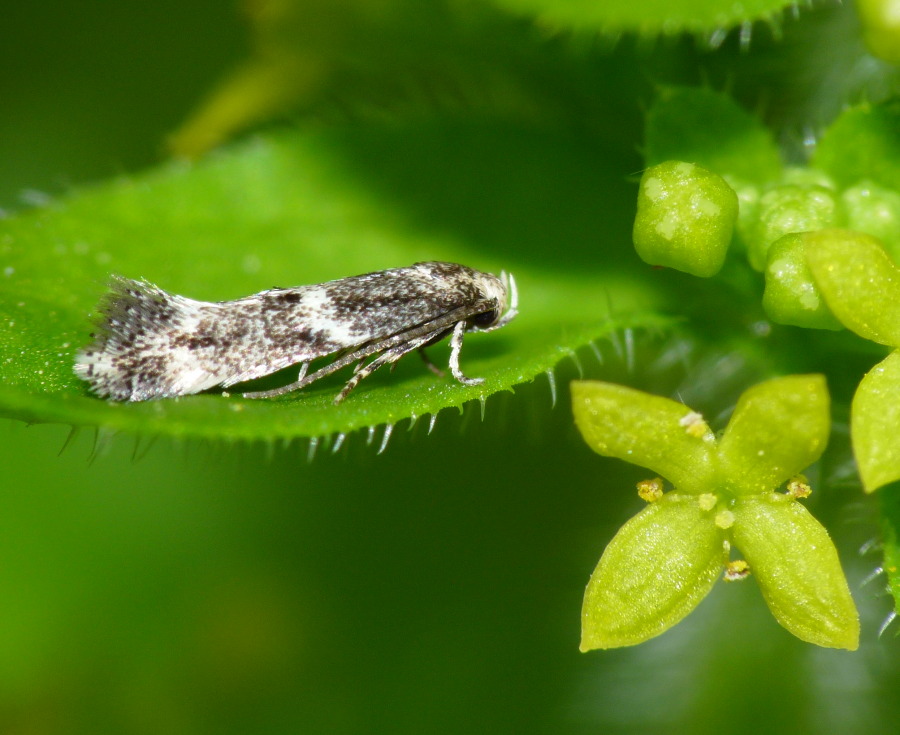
<point x="153" y="344"/>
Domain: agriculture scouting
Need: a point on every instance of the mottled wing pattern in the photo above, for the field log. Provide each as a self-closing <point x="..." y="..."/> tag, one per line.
<point x="152" y="344"/>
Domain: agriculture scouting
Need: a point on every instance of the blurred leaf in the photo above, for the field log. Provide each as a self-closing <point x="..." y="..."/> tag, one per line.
<point x="655" y="17"/>
<point x="709" y="128"/>
<point x="863" y="144"/>
<point x="365" y="58"/>
<point x="797" y="568"/>
<point x="303" y="209"/>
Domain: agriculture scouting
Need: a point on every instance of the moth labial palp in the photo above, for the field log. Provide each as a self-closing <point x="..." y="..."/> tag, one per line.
<point x="152" y="344"/>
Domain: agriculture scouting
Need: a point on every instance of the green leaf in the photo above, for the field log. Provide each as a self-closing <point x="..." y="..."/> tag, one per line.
<point x="708" y="128"/>
<point x="862" y="144"/>
<point x="403" y="55"/>
<point x="875" y="421"/>
<point x="778" y="428"/>
<point x="655" y="571"/>
<point x="304" y="208"/>
<point x="646" y="430"/>
<point x="860" y="282"/>
<point x="797" y="569"/>
<point x="655" y="16"/>
<point x="685" y="218"/>
<point x="791" y="295"/>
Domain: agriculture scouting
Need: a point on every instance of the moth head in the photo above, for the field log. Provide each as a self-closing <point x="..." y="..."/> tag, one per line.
<point x="502" y="296"/>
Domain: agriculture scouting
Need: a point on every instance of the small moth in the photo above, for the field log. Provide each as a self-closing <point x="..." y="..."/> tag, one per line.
<point x="153" y="344"/>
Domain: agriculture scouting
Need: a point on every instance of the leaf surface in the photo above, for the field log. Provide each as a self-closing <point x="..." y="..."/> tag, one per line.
<point x="301" y="208"/>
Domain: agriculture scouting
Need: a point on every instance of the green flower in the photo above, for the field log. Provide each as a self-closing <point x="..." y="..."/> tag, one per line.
<point x="665" y="560"/>
<point x="861" y="285"/>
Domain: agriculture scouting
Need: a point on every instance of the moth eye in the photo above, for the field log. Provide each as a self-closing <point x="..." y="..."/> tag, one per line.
<point x="485" y="319"/>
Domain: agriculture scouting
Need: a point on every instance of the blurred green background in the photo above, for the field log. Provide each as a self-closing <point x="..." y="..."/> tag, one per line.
<point x="436" y="588"/>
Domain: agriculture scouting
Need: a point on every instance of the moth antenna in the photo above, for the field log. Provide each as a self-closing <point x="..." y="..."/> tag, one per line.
<point x="513" y="295"/>
<point x="512" y="309"/>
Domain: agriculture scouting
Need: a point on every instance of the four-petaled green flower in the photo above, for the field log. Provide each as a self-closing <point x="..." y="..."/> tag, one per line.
<point x="664" y="561"/>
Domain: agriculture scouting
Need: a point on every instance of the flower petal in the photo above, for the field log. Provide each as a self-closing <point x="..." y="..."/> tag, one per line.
<point x="875" y="422"/>
<point x="646" y="430"/>
<point x="778" y="429"/>
<point x="797" y="569"/>
<point x="657" y="568"/>
<point x="859" y="281"/>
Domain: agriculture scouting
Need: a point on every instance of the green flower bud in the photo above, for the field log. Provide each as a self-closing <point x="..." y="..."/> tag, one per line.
<point x="881" y="28"/>
<point x="875" y="210"/>
<point x="791" y="295"/>
<point x="806" y="177"/>
<point x="685" y="218"/>
<point x="790" y="208"/>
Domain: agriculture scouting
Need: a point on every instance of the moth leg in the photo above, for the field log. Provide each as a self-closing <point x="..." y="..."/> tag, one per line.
<point x="414" y="338"/>
<point x="388" y="357"/>
<point x="429" y="364"/>
<point x="455" y="346"/>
